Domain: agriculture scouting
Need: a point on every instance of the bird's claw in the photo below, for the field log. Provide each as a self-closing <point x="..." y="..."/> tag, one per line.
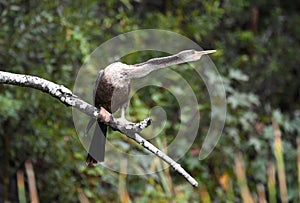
<point x="134" y="126"/>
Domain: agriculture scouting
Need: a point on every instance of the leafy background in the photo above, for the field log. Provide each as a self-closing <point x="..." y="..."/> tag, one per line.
<point x="258" y="49"/>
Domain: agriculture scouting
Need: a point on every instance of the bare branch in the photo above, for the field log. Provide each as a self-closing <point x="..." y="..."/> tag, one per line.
<point x="63" y="94"/>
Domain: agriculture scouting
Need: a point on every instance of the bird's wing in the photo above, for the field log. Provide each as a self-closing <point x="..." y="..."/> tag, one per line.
<point x="93" y="120"/>
<point x="97" y="147"/>
<point x="100" y="74"/>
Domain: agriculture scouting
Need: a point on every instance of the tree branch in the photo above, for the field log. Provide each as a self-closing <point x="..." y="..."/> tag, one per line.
<point x="63" y="94"/>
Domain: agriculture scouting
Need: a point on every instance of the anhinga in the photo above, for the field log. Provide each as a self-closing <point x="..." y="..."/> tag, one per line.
<point x="112" y="89"/>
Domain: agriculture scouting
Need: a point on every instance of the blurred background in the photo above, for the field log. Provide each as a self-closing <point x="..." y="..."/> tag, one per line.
<point x="258" y="58"/>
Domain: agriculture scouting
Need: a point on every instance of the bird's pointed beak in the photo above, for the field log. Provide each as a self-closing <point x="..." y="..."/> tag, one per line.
<point x="200" y="53"/>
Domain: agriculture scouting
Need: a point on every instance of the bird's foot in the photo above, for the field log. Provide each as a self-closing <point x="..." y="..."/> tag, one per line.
<point x="123" y="121"/>
<point x="134" y="126"/>
<point x="138" y="127"/>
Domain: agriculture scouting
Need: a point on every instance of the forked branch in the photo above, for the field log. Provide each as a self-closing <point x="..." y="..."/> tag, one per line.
<point x="63" y="94"/>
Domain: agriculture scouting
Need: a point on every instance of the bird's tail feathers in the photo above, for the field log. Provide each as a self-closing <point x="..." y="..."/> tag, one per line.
<point x="97" y="147"/>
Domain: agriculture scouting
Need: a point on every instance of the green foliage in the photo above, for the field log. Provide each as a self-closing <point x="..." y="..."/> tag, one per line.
<point x="257" y="43"/>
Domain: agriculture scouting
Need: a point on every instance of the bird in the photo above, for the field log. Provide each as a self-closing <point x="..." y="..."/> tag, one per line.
<point x="112" y="89"/>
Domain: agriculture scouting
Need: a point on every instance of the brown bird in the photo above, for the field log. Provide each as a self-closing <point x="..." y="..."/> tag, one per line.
<point x="112" y="89"/>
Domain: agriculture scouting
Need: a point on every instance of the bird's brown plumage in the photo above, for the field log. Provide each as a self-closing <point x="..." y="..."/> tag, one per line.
<point x="111" y="96"/>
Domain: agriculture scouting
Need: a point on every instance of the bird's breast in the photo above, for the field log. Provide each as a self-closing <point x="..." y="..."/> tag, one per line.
<point x="112" y="93"/>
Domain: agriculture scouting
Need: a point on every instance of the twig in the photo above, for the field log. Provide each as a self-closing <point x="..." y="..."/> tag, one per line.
<point x="66" y="96"/>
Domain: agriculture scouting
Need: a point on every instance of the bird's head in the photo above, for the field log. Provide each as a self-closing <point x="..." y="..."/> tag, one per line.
<point x="192" y="55"/>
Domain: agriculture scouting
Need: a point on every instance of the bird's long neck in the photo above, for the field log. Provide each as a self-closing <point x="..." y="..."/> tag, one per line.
<point x="143" y="69"/>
